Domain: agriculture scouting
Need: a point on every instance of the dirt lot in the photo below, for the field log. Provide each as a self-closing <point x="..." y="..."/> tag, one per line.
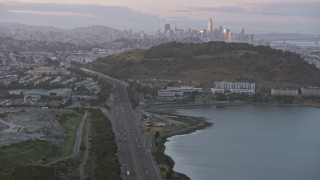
<point x="3" y="126"/>
<point x="38" y="124"/>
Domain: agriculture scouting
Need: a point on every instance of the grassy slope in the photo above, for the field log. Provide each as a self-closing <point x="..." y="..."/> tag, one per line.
<point x="212" y="61"/>
<point x="15" y="159"/>
<point x="103" y="161"/>
<point x="70" y="120"/>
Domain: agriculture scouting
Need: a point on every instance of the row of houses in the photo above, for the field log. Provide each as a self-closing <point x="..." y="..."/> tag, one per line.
<point x="49" y="70"/>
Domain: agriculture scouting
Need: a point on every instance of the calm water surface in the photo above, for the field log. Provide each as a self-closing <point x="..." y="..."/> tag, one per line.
<point x="250" y="143"/>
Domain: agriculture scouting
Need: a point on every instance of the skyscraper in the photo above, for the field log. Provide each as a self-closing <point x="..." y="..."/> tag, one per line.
<point x="166" y="28"/>
<point x="241" y="35"/>
<point x="210" y="26"/>
<point x="226" y="34"/>
<point x="242" y="30"/>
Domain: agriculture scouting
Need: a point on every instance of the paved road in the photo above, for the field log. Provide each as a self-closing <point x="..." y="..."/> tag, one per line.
<point x="136" y="162"/>
<point x="5" y="110"/>
<point x="76" y="147"/>
<point x="86" y="153"/>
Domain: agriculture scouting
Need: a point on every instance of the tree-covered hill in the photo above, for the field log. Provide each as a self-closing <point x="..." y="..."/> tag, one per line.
<point x="208" y="62"/>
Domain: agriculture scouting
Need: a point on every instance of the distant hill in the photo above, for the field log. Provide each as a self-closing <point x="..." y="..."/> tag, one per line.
<point x="93" y="29"/>
<point x="96" y="33"/>
<point x="13" y="26"/>
<point x="213" y="61"/>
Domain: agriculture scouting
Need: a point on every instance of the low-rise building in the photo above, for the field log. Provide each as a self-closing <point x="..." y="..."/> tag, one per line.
<point x="17" y="92"/>
<point x="65" y="93"/>
<point x="233" y="87"/>
<point x="217" y="91"/>
<point x="185" y="89"/>
<point x="284" y="91"/>
<point x="167" y="95"/>
<point x="310" y="91"/>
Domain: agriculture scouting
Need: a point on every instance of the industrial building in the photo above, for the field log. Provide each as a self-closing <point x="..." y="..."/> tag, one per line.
<point x="65" y="93"/>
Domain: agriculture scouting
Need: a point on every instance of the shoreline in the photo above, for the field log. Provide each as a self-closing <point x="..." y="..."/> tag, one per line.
<point x="200" y="124"/>
<point x="172" y="106"/>
<point x="289" y="105"/>
<point x="168" y="107"/>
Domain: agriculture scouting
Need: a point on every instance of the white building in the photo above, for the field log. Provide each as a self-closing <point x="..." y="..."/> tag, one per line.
<point x="233" y="87"/>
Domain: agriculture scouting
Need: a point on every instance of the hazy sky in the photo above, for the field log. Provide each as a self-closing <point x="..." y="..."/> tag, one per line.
<point x="258" y="16"/>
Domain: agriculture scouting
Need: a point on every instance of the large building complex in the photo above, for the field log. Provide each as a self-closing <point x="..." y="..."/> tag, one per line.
<point x="65" y="93"/>
<point x="39" y="97"/>
<point x="233" y="87"/>
<point x="176" y="93"/>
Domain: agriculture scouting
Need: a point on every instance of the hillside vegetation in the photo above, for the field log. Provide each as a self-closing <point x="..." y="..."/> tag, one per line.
<point x="208" y="62"/>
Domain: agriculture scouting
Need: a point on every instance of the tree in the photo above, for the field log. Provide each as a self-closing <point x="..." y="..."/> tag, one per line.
<point x="221" y="97"/>
<point x="157" y="134"/>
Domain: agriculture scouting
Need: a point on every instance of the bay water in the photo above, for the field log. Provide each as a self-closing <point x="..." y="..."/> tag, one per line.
<point x="250" y="143"/>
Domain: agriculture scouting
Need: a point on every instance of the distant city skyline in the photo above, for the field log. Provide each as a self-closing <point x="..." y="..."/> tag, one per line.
<point x="287" y="16"/>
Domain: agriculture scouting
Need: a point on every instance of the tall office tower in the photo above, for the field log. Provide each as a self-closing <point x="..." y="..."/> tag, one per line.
<point x="166" y="28"/>
<point x="241" y="35"/>
<point x="221" y="29"/>
<point x="210" y="30"/>
<point x="241" y="30"/>
<point x="215" y="34"/>
<point x="226" y="33"/>
<point x="210" y="26"/>
<point x="221" y="33"/>
<point x="231" y="37"/>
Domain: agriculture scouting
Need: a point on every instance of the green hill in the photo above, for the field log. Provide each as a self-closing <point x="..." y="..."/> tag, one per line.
<point x="208" y="62"/>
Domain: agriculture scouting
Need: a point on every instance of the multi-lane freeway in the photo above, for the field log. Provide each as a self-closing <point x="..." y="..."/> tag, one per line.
<point x="135" y="159"/>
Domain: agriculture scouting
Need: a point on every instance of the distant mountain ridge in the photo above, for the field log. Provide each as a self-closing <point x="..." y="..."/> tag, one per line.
<point x="95" y="33"/>
<point x="52" y="28"/>
<point x="12" y="26"/>
<point x="93" y="29"/>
